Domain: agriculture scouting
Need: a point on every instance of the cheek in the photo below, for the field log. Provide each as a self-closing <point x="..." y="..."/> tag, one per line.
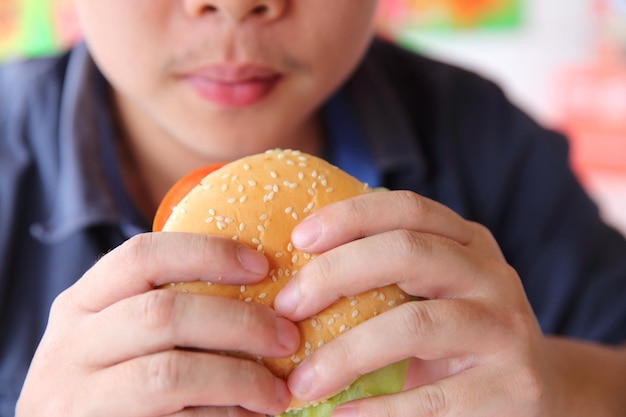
<point x="122" y="36"/>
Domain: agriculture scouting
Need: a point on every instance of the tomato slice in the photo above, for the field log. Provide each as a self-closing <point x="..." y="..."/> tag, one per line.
<point x="179" y="190"/>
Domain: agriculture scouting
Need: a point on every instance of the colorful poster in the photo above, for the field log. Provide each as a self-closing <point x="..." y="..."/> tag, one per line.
<point x="449" y="14"/>
<point x="35" y="27"/>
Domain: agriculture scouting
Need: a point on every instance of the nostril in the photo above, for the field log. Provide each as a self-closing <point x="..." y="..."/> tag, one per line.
<point x="209" y="9"/>
<point x="259" y="10"/>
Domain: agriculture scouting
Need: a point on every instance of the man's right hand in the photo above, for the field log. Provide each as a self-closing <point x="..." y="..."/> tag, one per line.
<point x="115" y="346"/>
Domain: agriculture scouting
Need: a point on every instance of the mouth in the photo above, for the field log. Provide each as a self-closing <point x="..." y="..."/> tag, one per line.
<point x="233" y="86"/>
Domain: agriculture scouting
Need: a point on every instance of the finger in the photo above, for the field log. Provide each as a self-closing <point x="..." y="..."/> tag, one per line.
<point x="421" y="264"/>
<point x="429" y="330"/>
<point x="169" y="382"/>
<point x="153" y="259"/>
<point x="476" y="392"/>
<point x="159" y="320"/>
<point x="374" y="213"/>
<point x="216" y="412"/>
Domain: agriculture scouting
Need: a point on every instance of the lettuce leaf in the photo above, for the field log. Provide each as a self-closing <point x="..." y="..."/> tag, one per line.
<point x="387" y="380"/>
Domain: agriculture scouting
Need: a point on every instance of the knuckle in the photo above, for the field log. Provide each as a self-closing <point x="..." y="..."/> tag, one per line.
<point x="249" y="319"/>
<point x="415" y="204"/>
<point x="418" y="320"/>
<point x="405" y="244"/>
<point x="433" y="401"/>
<point x="163" y="373"/>
<point x="135" y="250"/>
<point x="158" y="309"/>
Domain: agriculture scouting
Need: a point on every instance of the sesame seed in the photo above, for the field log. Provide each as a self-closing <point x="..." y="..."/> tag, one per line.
<point x="242" y="288"/>
<point x="208" y="220"/>
<point x="275" y="188"/>
<point x="262" y="295"/>
<point x="354" y="302"/>
<point x="336" y="315"/>
<point x="231" y="200"/>
<point x="243" y="199"/>
<point x="308" y="345"/>
<point x="320" y="343"/>
<point x="300" y="176"/>
<point x="219" y="218"/>
<point x="375" y="294"/>
<point x="314" y="174"/>
<point x="212" y="212"/>
<point x="311" y="192"/>
<point x="273" y="174"/>
<point x="313" y="322"/>
<point x="343" y="328"/>
<point x="240" y="188"/>
<point x="224" y="187"/>
<point x="264" y="217"/>
<point x="288" y="210"/>
<point x="248" y="300"/>
<point x="242" y="226"/>
<point x="281" y="272"/>
<point x="234" y="178"/>
<point x="294" y="259"/>
<point x="290" y="162"/>
<point x="331" y="321"/>
<point x="330" y="190"/>
<point x="252" y="183"/>
<point x="256" y="240"/>
<point x="355" y="313"/>
<point x="221" y="225"/>
<point x="294" y="215"/>
<point x="290" y="247"/>
<point x="268" y="187"/>
<point x="382" y="296"/>
<point x="295" y="359"/>
<point x="260" y="228"/>
<point x="279" y="254"/>
<point x="246" y="166"/>
<point x="391" y="303"/>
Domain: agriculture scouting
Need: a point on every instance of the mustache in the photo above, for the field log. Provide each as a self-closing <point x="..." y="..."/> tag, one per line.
<point x="214" y="50"/>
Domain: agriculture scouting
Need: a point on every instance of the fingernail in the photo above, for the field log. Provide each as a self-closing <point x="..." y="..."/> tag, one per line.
<point x="288" y="299"/>
<point x="288" y="336"/>
<point x="306" y="233"/>
<point x="345" y="412"/>
<point x="302" y="385"/>
<point x="252" y="260"/>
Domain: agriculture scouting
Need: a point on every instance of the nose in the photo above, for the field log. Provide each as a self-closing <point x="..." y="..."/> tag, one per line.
<point x="238" y="10"/>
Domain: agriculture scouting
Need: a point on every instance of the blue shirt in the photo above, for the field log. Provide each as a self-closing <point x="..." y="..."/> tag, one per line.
<point x="401" y="121"/>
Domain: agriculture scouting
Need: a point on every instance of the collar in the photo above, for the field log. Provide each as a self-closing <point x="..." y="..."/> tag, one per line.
<point x="388" y="132"/>
<point x="89" y="187"/>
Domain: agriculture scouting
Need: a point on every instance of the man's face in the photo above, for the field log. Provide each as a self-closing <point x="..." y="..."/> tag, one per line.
<point x="225" y="77"/>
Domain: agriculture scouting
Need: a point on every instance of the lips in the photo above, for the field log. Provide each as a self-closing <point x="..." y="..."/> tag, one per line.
<point x="233" y="86"/>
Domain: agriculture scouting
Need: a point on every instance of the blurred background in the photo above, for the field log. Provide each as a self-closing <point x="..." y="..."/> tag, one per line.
<point x="561" y="61"/>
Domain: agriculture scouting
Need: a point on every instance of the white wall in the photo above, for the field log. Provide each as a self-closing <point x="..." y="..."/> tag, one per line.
<point x="525" y="61"/>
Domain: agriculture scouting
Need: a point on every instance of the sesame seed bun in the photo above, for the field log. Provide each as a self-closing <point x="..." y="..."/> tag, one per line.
<point x="258" y="200"/>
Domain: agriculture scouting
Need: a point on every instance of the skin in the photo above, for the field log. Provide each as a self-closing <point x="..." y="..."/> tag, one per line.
<point x="111" y="343"/>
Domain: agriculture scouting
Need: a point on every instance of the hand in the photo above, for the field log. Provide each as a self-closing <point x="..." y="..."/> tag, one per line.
<point x="475" y="343"/>
<point x="114" y="346"/>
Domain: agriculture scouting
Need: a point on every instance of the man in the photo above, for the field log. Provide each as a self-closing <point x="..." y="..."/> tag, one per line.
<point x="179" y="84"/>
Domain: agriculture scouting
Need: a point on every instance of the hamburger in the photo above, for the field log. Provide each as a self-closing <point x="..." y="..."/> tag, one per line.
<point x="258" y="200"/>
